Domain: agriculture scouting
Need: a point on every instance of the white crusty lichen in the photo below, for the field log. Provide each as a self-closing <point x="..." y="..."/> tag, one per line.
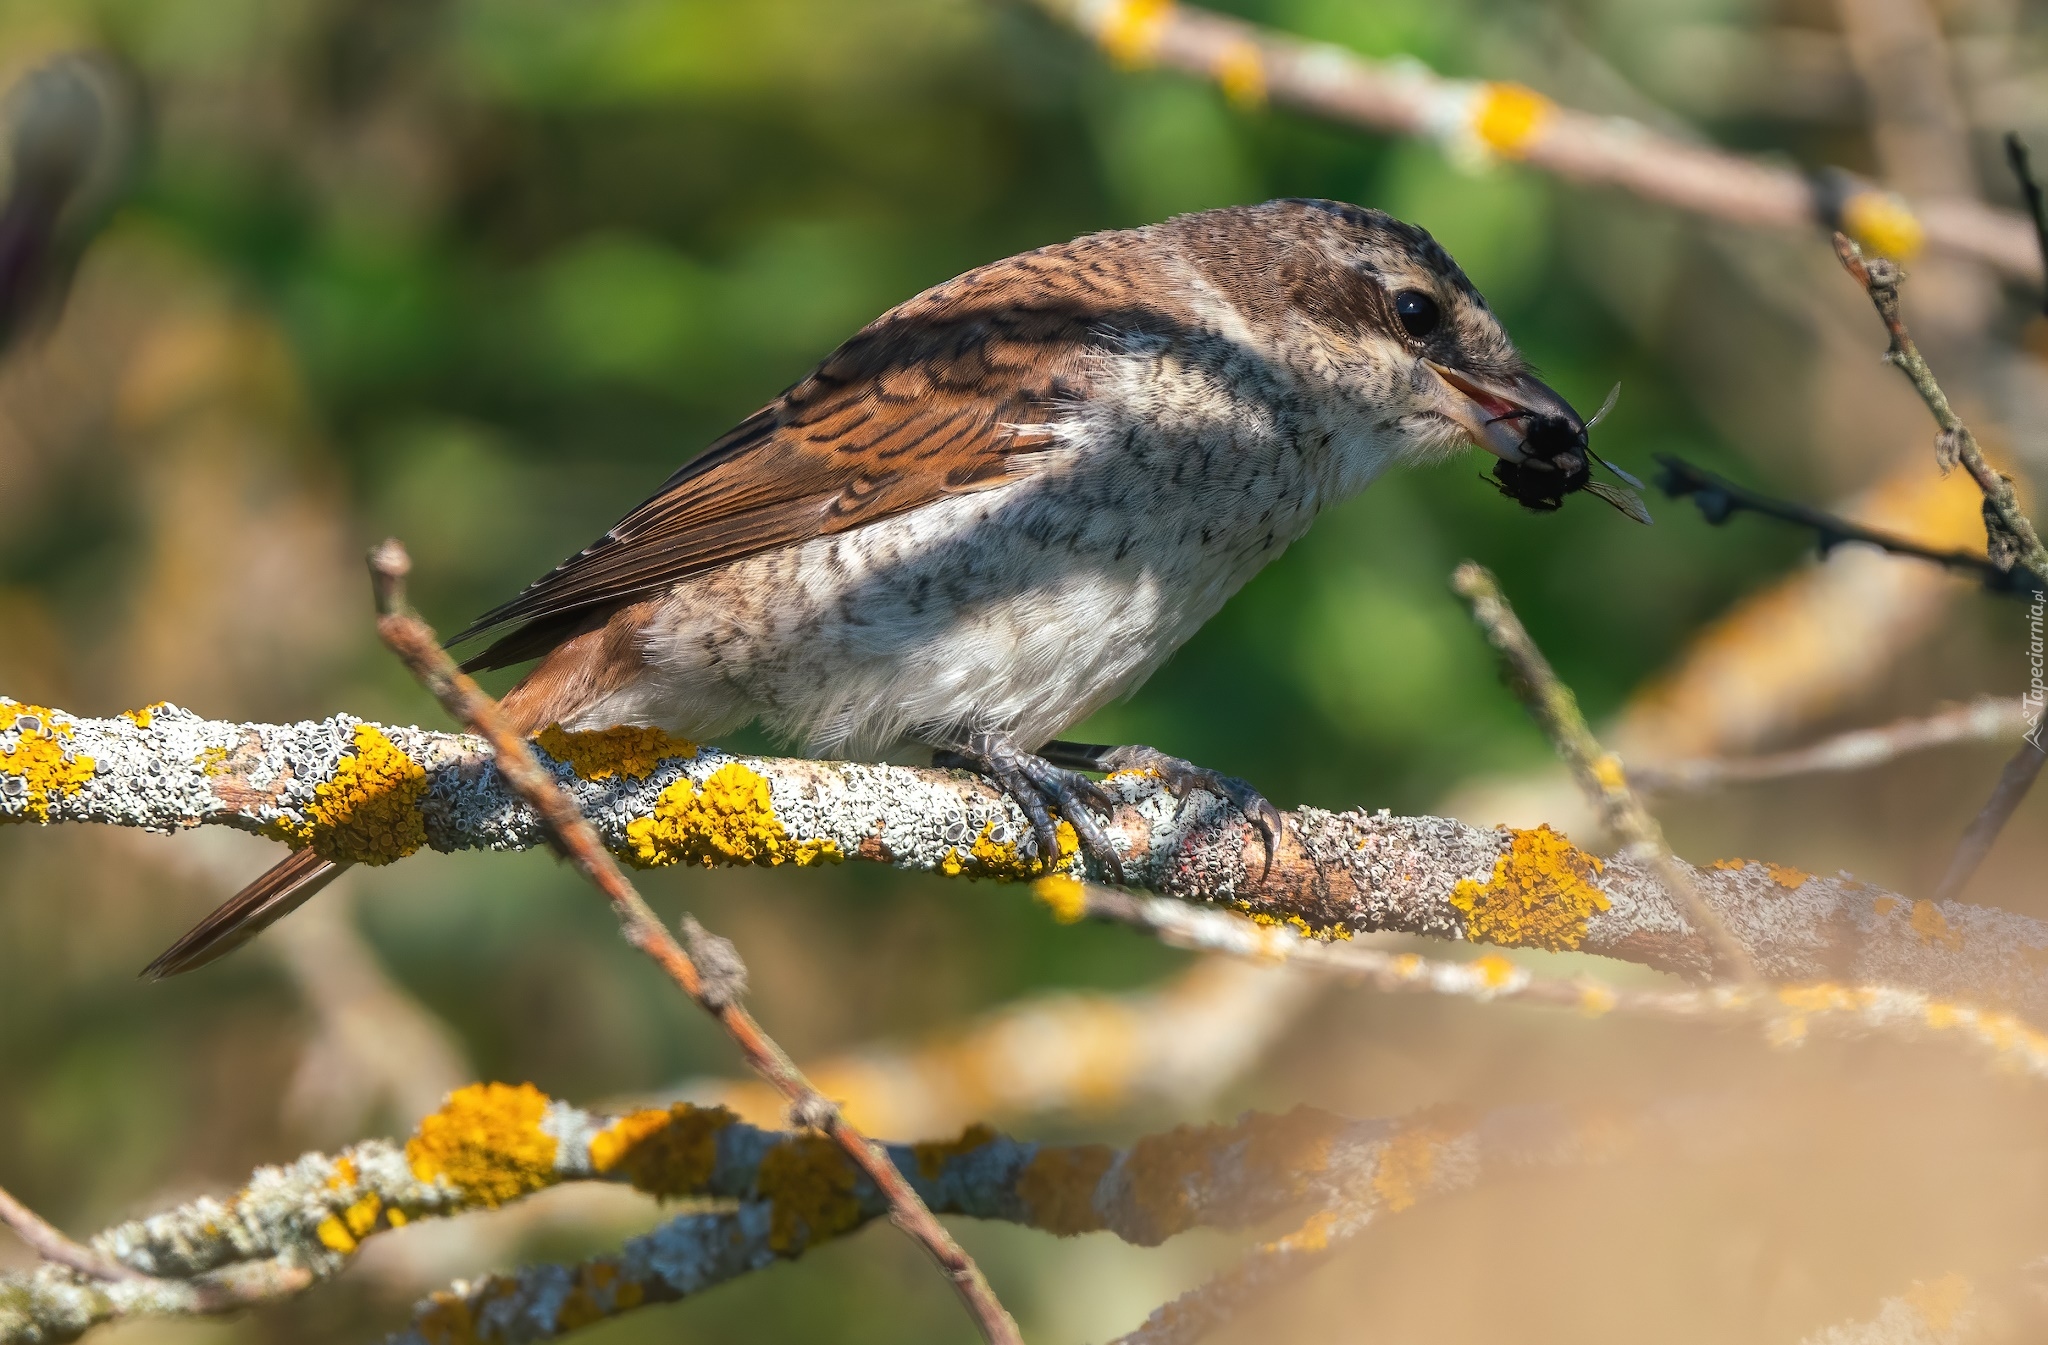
<point x="369" y="793"/>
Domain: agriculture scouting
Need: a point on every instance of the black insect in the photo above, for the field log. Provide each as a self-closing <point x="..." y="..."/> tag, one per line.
<point x="1558" y="462"/>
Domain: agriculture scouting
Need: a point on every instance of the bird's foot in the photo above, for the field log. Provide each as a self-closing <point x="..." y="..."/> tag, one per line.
<point x="1179" y="777"/>
<point x="1037" y="786"/>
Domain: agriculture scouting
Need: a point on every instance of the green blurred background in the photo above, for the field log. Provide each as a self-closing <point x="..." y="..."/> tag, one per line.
<point x="480" y="273"/>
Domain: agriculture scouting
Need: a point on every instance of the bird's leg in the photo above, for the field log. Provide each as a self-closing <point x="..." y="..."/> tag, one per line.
<point x="1179" y="777"/>
<point x="1033" y="782"/>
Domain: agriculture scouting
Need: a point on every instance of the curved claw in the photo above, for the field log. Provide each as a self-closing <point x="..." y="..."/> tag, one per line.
<point x="1181" y="776"/>
<point x="1033" y="782"/>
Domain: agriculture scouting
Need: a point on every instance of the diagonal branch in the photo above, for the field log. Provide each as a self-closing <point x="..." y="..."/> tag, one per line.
<point x="49" y="1243"/>
<point x="709" y="973"/>
<point x="1599" y="771"/>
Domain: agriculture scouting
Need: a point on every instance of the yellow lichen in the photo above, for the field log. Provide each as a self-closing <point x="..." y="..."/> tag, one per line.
<point x="1004" y="861"/>
<point x="1407" y="1164"/>
<point x="1806" y="1000"/>
<point x="446" y="1320"/>
<point x="602" y="1289"/>
<point x="601" y="754"/>
<point x="1161" y="1169"/>
<point x="334" y="1235"/>
<point x="730" y="820"/>
<point x="39" y="761"/>
<point x="486" y="1141"/>
<point x="1508" y="118"/>
<point x="1241" y="73"/>
<point x="1729" y="865"/>
<point x="146" y="715"/>
<point x="1058" y="1188"/>
<point x="1130" y="31"/>
<point x="1541" y="894"/>
<point x="1884" y="905"/>
<point x="809" y="1183"/>
<point x="1933" y="928"/>
<point x="361" y="1216"/>
<point x="1494" y="970"/>
<point x="933" y="1155"/>
<point x="1064" y="896"/>
<point x="1787" y="877"/>
<point x="662" y="1151"/>
<point x="369" y="812"/>
<point x="1284" y="1151"/>
<point x="212" y="761"/>
<point x="1884" y="223"/>
<point x="1294" y="921"/>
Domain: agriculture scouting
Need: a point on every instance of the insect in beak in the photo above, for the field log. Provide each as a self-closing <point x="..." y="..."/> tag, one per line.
<point x="1542" y="445"/>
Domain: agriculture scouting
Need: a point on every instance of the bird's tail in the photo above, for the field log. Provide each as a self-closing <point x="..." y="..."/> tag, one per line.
<point x="283" y="888"/>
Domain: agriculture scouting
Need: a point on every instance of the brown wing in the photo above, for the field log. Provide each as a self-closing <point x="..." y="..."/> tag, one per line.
<point x="924" y="402"/>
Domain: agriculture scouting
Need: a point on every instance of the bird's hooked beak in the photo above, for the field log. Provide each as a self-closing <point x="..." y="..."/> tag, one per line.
<point x="1500" y="416"/>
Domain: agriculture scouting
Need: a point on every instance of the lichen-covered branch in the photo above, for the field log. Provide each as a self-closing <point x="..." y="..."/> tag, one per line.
<point x="710" y="970"/>
<point x="1598" y="771"/>
<point x="1487" y="119"/>
<point x="1786" y="1013"/>
<point x="1304" y="1163"/>
<point x="493" y="1143"/>
<point x="374" y="794"/>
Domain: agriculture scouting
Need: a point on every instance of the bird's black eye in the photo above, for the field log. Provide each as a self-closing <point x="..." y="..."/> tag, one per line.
<point x="1418" y="312"/>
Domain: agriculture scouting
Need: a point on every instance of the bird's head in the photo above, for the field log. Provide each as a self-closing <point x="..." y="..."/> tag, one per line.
<point x="1376" y="311"/>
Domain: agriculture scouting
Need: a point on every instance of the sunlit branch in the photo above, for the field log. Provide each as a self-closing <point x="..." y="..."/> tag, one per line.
<point x="383" y="792"/>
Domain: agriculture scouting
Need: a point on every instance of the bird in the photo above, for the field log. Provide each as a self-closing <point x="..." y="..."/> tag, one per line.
<point x="1005" y="503"/>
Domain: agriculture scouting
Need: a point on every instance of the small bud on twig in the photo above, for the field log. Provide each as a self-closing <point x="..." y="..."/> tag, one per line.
<point x="722" y="973"/>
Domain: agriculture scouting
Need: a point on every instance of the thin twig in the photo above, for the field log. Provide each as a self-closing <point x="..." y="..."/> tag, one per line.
<point x="2011" y="535"/>
<point x="1785" y="1012"/>
<point x="2037" y="206"/>
<point x="1989" y="719"/>
<point x="2013" y="783"/>
<point x="1599" y="771"/>
<point x="2013" y="540"/>
<point x="1720" y="499"/>
<point x="420" y="649"/>
<point x="49" y="1243"/>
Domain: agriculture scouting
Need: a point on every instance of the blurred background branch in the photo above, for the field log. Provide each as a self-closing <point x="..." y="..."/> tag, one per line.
<point x="476" y="273"/>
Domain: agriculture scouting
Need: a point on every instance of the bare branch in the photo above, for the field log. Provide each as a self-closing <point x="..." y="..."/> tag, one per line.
<point x="1175" y="1045"/>
<point x="717" y="984"/>
<point x="2013" y="539"/>
<point x="2013" y="783"/>
<point x="1720" y="499"/>
<point x="1786" y="1013"/>
<point x="1358" y="871"/>
<point x="46" y="1241"/>
<point x="1599" y="771"/>
<point x="1989" y="719"/>
<point x="1473" y="118"/>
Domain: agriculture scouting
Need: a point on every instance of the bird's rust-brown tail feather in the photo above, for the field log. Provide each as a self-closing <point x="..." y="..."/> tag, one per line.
<point x="591" y="664"/>
<point x="282" y="889"/>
